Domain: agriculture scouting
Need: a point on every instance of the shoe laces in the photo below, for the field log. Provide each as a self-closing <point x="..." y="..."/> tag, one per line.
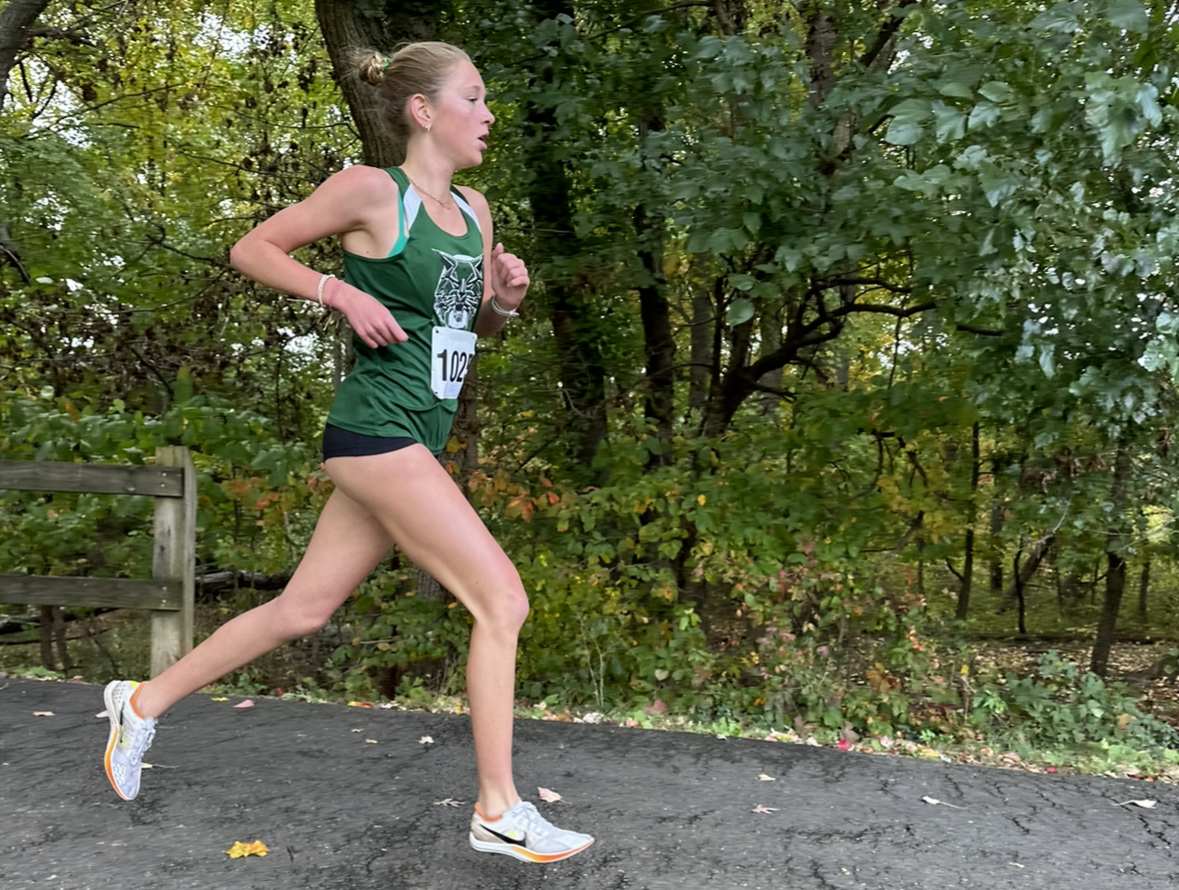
<point x="141" y="739"/>
<point x="535" y="824"/>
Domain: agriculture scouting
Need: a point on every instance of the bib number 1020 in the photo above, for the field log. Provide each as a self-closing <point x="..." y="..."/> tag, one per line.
<point x="452" y="353"/>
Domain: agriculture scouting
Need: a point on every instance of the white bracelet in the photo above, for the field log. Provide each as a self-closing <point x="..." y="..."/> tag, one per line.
<point x="319" y="289"/>
<point x="499" y="310"/>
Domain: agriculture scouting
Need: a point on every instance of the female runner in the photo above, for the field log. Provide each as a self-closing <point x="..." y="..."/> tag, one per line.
<point x="421" y="282"/>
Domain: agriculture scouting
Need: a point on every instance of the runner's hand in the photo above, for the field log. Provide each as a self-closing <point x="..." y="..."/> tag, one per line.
<point x="372" y="322"/>
<point x="509" y="278"/>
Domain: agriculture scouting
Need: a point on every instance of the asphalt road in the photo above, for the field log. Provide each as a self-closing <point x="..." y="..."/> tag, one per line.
<point x="670" y="811"/>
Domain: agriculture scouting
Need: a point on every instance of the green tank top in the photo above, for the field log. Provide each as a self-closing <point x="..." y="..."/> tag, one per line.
<point x="432" y="282"/>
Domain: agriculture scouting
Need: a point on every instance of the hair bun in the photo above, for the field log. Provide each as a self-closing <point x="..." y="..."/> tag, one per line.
<point x="372" y="67"/>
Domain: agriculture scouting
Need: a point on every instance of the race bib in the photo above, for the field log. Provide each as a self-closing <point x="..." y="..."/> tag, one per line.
<point x="452" y="353"/>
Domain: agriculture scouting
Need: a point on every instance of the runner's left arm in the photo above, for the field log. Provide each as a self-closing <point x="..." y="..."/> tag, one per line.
<point x="505" y="276"/>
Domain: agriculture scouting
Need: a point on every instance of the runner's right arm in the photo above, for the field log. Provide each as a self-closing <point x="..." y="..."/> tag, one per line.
<point x="347" y="204"/>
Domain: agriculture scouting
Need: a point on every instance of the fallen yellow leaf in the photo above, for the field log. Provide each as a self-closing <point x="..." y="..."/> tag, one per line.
<point x="220" y="698"/>
<point x="240" y="850"/>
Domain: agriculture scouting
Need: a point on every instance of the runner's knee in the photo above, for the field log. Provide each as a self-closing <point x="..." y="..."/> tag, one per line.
<point x="505" y="604"/>
<point x="294" y="620"/>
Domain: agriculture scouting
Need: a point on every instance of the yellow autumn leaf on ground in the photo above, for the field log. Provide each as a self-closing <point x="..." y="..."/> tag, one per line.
<point x="219" y="698"/>
<point x="240" y="850"/>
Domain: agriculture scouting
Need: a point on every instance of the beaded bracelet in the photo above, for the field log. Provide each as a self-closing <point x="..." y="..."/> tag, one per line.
<point x="319" y="288"/>
<point x="499" y="310"/>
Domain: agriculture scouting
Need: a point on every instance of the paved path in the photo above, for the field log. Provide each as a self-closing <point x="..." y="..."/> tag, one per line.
<point x="669" y="810"/>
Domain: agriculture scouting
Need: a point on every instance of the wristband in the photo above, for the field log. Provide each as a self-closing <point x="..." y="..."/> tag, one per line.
<point x="500" y="311"/>
<point x="319" y="287"/>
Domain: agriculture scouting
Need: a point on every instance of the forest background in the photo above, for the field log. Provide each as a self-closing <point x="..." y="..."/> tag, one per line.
<point x="851" y="342"/>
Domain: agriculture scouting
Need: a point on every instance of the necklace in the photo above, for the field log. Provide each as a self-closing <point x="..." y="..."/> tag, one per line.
<point x="446" y="204"/>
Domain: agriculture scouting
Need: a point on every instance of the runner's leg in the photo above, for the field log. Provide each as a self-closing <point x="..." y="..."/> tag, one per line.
<point x="423" y="510"/>
<point x="347" y="543"/>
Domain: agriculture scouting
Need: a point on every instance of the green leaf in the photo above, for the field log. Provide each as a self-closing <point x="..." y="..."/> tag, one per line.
<point x="1167" y="323"/>
<point x="1129" y="15"/>
<point x="739" y="312"/>
<point x="904" y="128"/>
<point x="903" y="133"/>
<point x="998" y="92"/>
<point x="996" y="185"/>
<point x="984" y="114"/>
<point x="1061" y="17"/>
<point x="1047" y="362"/>
<point x="949" y="122"/>
<point x="956" y="89"/>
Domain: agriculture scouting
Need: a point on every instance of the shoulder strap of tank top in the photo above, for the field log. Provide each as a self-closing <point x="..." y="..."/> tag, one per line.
<point x="465" y="207"/>
<point x="399" y="177"/>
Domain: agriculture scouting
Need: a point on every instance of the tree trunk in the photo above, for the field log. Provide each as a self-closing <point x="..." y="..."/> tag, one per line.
<point x="771" y="340"/>
<point x="1143" y="587"/>
<point x="575" y="325"/>
<point x="15" y="23"/>
<point x="704" y="337"/>
<point x="346" y="28"/>
<point x="656" y="318"/>
<point x="996" y="551"/>
<point x="1115" y="577"/>
<point x="966" y="584"/>
<point x="59" y="641"/>
<point x="1023" y="574"/>
<point x="45" y="637"/>
<point x="1019" y="595"/>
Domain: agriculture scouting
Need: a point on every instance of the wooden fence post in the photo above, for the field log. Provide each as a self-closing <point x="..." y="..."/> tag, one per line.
<point x="174" y="557"/>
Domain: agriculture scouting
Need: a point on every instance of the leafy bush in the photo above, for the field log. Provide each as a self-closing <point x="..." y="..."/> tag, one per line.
<point x="1061" y="705"/>
<point x="257" y="495"/>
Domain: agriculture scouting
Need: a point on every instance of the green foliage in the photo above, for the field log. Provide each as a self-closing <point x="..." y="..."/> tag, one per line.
<point x="257" y="495"/>
<point x="858" y="258"/>
<point x="1061" y="705"/>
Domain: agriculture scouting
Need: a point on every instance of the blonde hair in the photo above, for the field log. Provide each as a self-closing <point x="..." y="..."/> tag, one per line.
<point x="413" y="68"/>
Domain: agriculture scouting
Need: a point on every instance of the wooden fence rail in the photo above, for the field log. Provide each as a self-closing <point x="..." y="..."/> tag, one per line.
<point x="169" y="592"/>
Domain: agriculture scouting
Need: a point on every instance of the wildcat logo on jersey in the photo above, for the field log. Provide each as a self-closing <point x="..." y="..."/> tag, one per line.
<point x="460" y="289"/>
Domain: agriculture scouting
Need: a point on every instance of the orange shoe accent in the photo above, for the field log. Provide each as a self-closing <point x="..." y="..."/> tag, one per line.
<point x="553" y="857"/>
<point x="106" y="760"/>
<point x="483" y="816"/>
<point x="134" y="698"/>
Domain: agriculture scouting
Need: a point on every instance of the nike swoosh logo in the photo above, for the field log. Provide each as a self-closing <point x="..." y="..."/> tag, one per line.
<point x="505" y="838"/>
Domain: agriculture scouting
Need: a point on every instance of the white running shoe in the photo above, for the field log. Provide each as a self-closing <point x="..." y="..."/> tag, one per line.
<point x="526" y="834"/>
<point x="131" y="735"/>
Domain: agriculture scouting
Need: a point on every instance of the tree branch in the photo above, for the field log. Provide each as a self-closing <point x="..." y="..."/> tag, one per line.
<point x="894" y="311"/>
<point x="885" y="34"/>
<point x="875" y="282"/>
<point x="982" y="332"/>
